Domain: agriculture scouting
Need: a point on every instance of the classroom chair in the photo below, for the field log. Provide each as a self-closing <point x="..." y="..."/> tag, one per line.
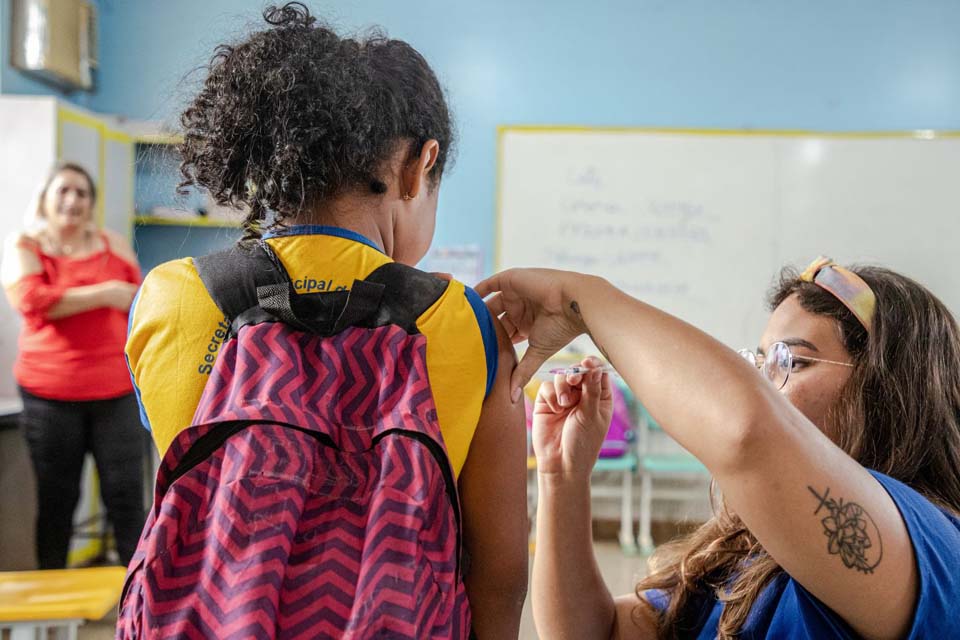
<point x="661" y="458"/>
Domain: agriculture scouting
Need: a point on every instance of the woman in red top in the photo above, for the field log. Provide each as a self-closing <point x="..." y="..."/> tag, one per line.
<point x="73" y="284"/>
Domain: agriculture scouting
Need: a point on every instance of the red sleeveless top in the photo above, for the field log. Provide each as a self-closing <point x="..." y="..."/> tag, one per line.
<point x="78" y="357"/>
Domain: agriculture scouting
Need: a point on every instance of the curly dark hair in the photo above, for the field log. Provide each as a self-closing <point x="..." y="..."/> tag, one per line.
<point x="296" y="114"/>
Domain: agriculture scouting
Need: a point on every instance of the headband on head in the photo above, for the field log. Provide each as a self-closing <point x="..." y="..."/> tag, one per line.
<point x="846" y="286"/>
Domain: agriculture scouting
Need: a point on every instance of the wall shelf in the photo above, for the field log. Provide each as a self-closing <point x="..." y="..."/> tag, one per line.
<point x="158" y="138"/>
<point x="185" y="222"/>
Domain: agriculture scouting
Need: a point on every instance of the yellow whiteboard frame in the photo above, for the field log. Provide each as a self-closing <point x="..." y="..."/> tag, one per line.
<point x="105" y="134"/>
<point x="90" y="122"/>
<point x="502" y="130"/>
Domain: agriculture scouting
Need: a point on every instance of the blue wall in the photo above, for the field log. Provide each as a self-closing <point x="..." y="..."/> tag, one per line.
<point x="13" y="81"/>
<point x="819" y="64"/>
<point x="155" y="244"/>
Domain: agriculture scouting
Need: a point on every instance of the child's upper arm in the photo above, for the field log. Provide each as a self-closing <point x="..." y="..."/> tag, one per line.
<point x="171" y="346"/>
<point x="493" y="485"/>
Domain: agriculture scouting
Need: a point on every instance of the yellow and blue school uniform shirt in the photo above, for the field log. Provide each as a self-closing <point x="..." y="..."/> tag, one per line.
<point x="176" y="331"/>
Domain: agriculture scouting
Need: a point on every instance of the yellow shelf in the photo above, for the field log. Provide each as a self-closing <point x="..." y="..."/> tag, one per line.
<point x="185" y="222"/>
<point x="158" y="138"/>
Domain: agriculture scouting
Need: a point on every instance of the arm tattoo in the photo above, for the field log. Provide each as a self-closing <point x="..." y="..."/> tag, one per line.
<point x="850" y="532"/>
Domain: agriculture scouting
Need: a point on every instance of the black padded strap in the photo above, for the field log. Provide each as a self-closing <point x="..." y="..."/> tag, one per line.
<point x="408" y="293"/>
<point x="277" y="300"/>
<point x="363" y="301"/>
<point x="232" y="276"/>
<point x="249" y="285"/>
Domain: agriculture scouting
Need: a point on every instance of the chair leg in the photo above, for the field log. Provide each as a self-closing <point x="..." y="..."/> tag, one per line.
<point x="22" y="631"/>
<point x="646" y="505"/>
<point x="627" y="541"/>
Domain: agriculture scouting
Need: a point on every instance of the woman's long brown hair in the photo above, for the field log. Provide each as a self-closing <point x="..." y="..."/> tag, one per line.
<point x="899" y="414"/>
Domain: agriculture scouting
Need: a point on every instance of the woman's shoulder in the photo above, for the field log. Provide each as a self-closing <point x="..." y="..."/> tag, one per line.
<point x="23" y="239"/>
<point x="934" y="532"/>
<point x="934" y="529"/>
<point x="21" y="257"/>
<point x="118" y="244"/>
<point x="913" y="505"/>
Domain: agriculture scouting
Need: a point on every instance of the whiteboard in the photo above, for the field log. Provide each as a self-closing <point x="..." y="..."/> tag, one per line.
<point x="118" y="180"/>
<point x="699" y="223"/>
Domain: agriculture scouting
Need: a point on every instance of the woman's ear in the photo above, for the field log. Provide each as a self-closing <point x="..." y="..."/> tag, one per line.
<point x="416" y="173"/>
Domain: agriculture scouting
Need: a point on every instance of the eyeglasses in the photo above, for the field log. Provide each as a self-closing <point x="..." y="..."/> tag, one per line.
<point x="778" y="362"/>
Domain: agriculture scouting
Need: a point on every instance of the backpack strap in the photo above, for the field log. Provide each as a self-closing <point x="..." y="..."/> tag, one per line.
<point x="408" y="293"/>
<point x="250" y="285"/>
<point x="233" y="276"/>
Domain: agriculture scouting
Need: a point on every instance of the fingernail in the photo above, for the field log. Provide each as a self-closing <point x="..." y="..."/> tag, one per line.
<point x="564" y="399"/>
<point x="515" y="395"/>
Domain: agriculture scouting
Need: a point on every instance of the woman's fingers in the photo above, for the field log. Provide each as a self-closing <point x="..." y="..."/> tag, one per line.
<point x="560" y="384"/>
<point x="591" y="362"/>
<point x="508" y="326"/>
<point x="495" y="304"/>
<point x="547" y="395"/>
<point x="605" y="391"/>
<point x="497" y="308"/>
<point x="517" y="299"/>
<point x="565" y="386"/>
<point x="529" y="365"/>
<point x="590" y="391"/>
<point x="490" y="285"/>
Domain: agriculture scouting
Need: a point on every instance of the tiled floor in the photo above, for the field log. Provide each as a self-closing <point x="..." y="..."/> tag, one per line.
<point x="621" y="572"/>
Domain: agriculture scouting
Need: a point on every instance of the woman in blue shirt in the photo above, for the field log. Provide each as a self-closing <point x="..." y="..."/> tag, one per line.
<point x="840" y="482"/>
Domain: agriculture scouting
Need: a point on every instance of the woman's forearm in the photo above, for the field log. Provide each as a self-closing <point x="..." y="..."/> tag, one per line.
<point x="662" y="359"/>
<point x="77" y="300"/>
<point x="570" y="599"/>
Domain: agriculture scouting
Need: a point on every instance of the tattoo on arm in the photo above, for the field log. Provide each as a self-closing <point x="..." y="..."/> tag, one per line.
<point x="850" y="532"/>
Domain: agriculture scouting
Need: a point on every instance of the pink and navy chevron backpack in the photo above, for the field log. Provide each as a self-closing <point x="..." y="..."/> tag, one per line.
<point x="312" y="496"/>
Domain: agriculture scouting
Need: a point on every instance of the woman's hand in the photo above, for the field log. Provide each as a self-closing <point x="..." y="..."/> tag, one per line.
<point x="536" y="305"/>
<point x="570" y="420"/>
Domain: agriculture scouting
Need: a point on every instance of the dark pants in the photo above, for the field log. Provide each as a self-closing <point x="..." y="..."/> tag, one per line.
<point x="59" y="434"/>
